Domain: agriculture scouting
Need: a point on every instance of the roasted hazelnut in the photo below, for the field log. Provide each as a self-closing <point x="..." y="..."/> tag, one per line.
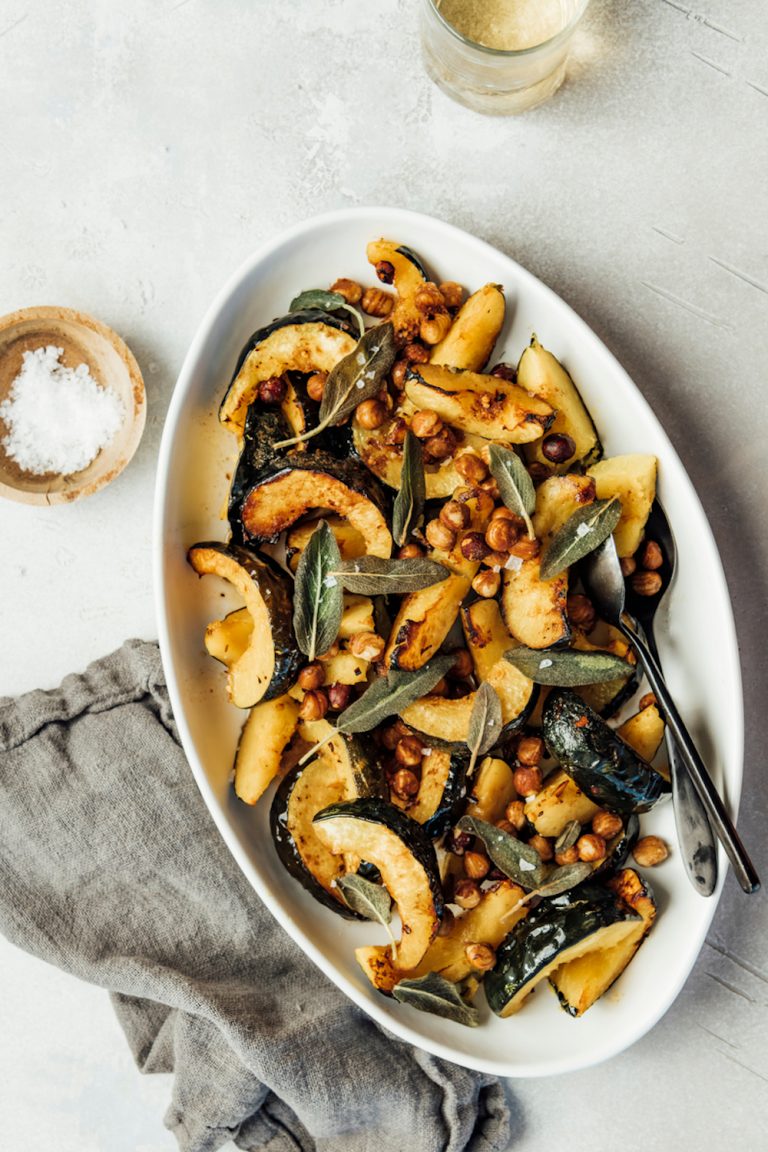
<point x="385" y="271"/>
<point x="429" y="299"/>
<point x="339" y="696"/>
<point x="396" y="432"/>
<point x="454" y="515"/>
<point x="440" y="536"/>
<point x="471" y="468"/>
<point x="502" y="534"/>
<point x="462" y="666"/>
<point x="441" y="446"/>
<point x="607" y="825"/>
<point x="457" y="842"/>
<point x="491" y="487"/>
<point x="389" y="737"/>
<point x="558" y="447"/>
<point x="453" y="294"/>
<point x="505" y="372"/>
<point x="590" y="847"/>
<point x="542" y="846"/>
<point x="377" y="302"/>
<point x="367" y="646"/>
<point x="647" y="700"/>
<point x="349" y="289"/>
<point x="441" y="688"/>
<point x="526" y="548"/>
<point x="539" y="472"/>
<point x="447" y="923"/>
<point x="410" y="552"/>
<point x="480" y="956"/>
<point x="426" y="423"/>
<point x="435" y="328"/>
<point x="504" y="513"/>
<point x="314" y="705"/>
<point x="486" y="584"/>
<point x="506" y="826"/>
<point x="408" y="751"/>
<point x="467" y="894"/>
<point x="474" y="547"/>
<point x="530" y="751"/>
<point x="399" y="372"/>
<point x="651" y="556"/>
<point x="569" y="856"/>
<point x="405" y="783"/>
<point x="496" y="559"/>
<point x="527" y="781"/>
<point x="316" y="386"/>
<point x="416" y="353"/>
<point x="650" y="851"/>
<point x="581" y="611"/>
<point x="371" y="414"/>
<point x="476" y="865"/>
<point x="628" y="565"/>
<point x="515" y="814"/>
<point x="273" y="390"/>
<point x="311" y="676"/>
<point x="646" y="583"/>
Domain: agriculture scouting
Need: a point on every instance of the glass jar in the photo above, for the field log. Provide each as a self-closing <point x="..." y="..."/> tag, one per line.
<point x="494" y="80"/>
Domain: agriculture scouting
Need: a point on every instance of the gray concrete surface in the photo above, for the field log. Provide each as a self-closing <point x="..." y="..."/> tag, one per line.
<point x="145" y="150"/>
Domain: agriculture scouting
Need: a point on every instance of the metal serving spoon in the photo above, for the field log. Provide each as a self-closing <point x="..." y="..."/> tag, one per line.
<point x="604" y="581"/>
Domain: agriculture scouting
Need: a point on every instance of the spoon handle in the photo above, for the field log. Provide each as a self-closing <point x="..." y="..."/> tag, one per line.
<point x="694" y="833"/>
<point x="721" y="821"/>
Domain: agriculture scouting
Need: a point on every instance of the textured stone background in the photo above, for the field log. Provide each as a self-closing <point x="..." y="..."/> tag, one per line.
<point x="146" y="149"/>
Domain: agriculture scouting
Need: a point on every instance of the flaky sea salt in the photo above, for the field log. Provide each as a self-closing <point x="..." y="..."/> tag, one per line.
<point x="58" y="418"/>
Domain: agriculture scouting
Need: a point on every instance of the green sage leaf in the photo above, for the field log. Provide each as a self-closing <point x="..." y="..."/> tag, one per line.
<point x="563" y="879"/>
<point x="511" y="856"/>
<point x="372" y="576"/>
<point x="567" y="837"/>
<point x="408" y="511"/>
<point x="582" y="532"/>
<point x="318" y="598"/>
<point x="440" y="997"/>
<point x="567" y="667"/>
<point x="390" y="695"/>
<point x="355" y="378"/>
<point x="485" y="724"/>
<point x="515" y="485"/>
<point x="328" y="302"/>
<point x="366" y="898"/>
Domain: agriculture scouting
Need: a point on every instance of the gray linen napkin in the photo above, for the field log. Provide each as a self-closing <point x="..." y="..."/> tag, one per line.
<point x="111" y="868"/>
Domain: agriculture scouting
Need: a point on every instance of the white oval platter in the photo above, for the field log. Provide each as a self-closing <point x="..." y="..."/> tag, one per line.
<point x="696" y="635"/>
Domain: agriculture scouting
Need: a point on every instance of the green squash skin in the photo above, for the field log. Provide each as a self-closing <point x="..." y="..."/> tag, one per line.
<point x="350" y="472"/>
<point x="276" y="589"/>
<point x="414" y="259"/>
<point x="597" y="760"/>
<point x="557" y="924"/>
<point x="263" y="427"/>
<point x="619" y="849"/>
<point x="289" y="855"/>
<point x="454" y="794"/>
<point x="372" y="810"/>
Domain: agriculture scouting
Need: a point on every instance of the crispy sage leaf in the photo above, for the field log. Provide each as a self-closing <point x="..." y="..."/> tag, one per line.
<point x="515" y="485"/>
<point x="582" y="532"/>
<point x="408" y="511"/>
<point x="511" y="856"/>
<point x="318" y="598"/>
<point x="366" y="898"/>
<point x="373" y="576"/>
<point x="435" y="994"/>
<point x="389" y="695"/>
<point x="563" y="879"/>
<point x="485" y="724"/>
<point x="355" y="378"/>
<point x="328" y="301"/>
<point x="568" y="837"/>
<point x="567" y="667"/>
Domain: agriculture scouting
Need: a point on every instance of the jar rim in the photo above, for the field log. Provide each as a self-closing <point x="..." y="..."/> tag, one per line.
<point x="508" y="52"/>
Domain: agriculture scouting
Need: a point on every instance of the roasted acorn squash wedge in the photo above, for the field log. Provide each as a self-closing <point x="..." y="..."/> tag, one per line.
<point x="305" y="791"/>
<point x="443" y="787"/>
<point x="493" y="788"/>
<point x="588" y="919"/>
<point x="474" y="332"/>
<point x="423" y="621"/>
<point x="270" y="661"/>
<point x="541" y="374"/>
<point x="317" y="481"/>
<point x="351" y="543"/>
<point x="226" y="640"/>
<point x="483" y="405"/>
<point x="266" y="734"/>
<point x="385" y="837"/>
<point x="535" y="610"/>
<point x="579" y="983"/>
<point x="606" y="769"/>
<point x="306" y="341"/>
<point x="408" y="276"/>
<point x="557" y="803"/>
<point x="644" y="732"/>
<point x="354" y="759"/>
<point x="633" y="479"/>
